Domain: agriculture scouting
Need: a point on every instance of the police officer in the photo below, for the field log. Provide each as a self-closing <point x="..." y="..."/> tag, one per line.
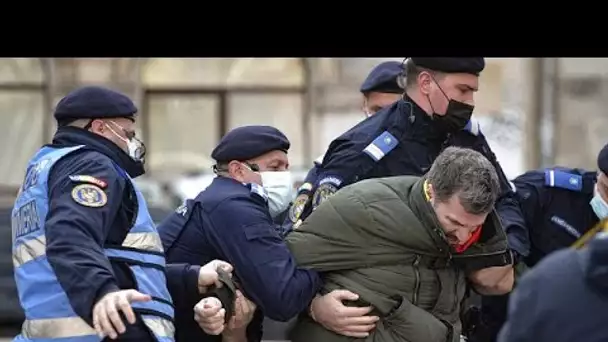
<point x="86" y="253"/>
<point x="382" y="87"/>
<point x="558" y="207"/>
<point x="406" y="137"/>
<point x="232" y="219"/>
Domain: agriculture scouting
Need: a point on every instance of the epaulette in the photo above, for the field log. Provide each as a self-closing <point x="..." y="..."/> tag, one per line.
<point x="563" y="180"/>
<point x="381" y="146"/>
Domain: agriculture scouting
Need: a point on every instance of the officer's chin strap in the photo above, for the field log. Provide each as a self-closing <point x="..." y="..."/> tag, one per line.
<point x="601" y="226"/>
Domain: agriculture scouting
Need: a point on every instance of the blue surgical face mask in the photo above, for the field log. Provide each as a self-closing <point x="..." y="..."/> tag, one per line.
<point x="599" y="206"/>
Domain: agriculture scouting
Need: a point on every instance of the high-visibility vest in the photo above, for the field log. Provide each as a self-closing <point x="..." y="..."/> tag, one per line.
<point x="48" y="313"/>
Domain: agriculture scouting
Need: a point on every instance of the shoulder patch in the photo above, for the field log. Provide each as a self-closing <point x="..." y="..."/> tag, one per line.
<point x="323" y="192"/>
<point x="473" y="127"/>
<point x="258" y="190"/>
<point x="89" y="195"/>
<point x="564" y="180"/>
<point x="305" y="187"/>
<point x="88" y="179"/>
<point x="381" y="146"/>
<point x="298" y="207"/>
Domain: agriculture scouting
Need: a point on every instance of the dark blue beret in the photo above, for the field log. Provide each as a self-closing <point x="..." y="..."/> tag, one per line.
<point x="93" y="102"/>
<point x="248" y="142"/>
<point x="602" y="160"/>
<point x="468" y="65"/>
<point x="384" y="79"/>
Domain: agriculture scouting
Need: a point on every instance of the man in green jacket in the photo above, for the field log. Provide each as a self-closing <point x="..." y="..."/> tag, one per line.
<point x="406" y="245"/>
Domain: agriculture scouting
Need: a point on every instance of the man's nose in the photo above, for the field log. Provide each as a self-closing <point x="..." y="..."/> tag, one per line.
<point x="463" y="235"/>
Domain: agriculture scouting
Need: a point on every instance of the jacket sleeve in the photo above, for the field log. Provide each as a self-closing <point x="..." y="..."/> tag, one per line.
<point x="530" y="194"/>
<point x="523" y="319"/>
<point x="244" y="234"/>
<point x="182" y="282"/>
<point x="75" y="233"/>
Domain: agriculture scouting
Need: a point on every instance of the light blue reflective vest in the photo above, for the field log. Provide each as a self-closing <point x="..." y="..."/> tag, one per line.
<point x="48" y="313"/>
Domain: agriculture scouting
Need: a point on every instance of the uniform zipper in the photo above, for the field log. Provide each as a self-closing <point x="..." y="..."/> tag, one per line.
<point x="417" y="282"/>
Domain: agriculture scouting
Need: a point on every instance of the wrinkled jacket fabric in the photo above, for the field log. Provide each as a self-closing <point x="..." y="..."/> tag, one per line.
<point x="381" y="239"/>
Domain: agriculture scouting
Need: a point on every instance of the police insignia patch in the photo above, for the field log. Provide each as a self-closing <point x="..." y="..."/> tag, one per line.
<point x="88" y="179"/>
<point x="89" y="195"/>
<point x="323" y="192"/>
<point x="297" y="207"/>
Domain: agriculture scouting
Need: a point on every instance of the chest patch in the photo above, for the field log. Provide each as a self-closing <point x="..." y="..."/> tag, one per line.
<point x="560" y="222"/>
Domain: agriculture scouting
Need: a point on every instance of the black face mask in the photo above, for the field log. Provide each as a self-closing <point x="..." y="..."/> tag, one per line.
<point x="456" y="117"/>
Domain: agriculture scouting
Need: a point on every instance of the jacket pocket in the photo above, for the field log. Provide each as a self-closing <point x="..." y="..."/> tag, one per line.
<point x="410" y="323"/>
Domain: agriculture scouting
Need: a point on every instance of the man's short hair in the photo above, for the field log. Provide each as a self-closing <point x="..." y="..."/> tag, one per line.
<point x="467" y="174"/>
<point x="412" y="71"/>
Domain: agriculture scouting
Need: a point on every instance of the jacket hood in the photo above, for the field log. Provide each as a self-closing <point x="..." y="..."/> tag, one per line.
<point x="595" y="264"/>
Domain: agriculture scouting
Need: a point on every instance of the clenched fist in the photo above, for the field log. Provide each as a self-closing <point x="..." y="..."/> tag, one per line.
<point x="209" y="315"/>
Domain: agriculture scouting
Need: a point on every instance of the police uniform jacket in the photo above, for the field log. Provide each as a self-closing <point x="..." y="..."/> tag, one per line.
<point x="563" y="298"/>
<point x="230" y="221"/>
<point x="398" y="140"/>
<point x="555" y="210"/>
<point x="79" y="224"/>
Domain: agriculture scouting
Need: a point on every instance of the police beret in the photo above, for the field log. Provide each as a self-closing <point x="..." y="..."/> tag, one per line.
<point x="93" y="102"/>
<point x="470" y="65"/>
<point x="383" y="78"/>
<point x="248" y="142"/>
<point x="602" y="160"/>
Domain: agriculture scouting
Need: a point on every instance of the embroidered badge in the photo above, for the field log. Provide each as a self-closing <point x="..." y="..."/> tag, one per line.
<point x="324" y="191"/>
<point x="89" y="195"/>
<point x="88" y="179"/>
<point x="298" y="207"/>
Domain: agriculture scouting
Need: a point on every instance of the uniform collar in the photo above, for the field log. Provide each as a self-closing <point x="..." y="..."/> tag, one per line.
<point x="422" y="126"/>
<point x="71" y="136"/>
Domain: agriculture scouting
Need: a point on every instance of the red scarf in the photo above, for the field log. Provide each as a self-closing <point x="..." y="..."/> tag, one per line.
<point x="474" y="238"/>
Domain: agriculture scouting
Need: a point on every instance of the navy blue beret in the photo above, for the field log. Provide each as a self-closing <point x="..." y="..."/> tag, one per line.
<point x="248" y="142"/>
<point x="383" y="79"/>
<point x="467" y="65"/>
<point x="602" y="160"/>
<point x="93" y="102"/>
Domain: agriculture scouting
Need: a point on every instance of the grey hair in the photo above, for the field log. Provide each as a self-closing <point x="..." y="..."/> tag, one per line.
<point x="467" y="174"/>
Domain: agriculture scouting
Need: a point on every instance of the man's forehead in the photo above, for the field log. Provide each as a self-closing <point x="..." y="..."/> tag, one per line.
<point x="463" y="80"/>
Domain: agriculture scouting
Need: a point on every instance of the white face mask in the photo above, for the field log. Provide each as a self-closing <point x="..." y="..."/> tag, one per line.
<point x="599" y="206"/>
<point x="279" y="186"/>
<point x="135" y="148"/>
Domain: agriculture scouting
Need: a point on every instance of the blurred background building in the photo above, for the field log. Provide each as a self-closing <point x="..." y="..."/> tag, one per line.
<point x="539" y="111"/>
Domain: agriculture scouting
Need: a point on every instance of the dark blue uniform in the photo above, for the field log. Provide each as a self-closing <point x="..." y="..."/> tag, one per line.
<point x="90" y="206"/>
<point x="398" y="140"/>
<point x="76" y="234"/>
<point x="231" y="221"/>
<point x="555" y="212"/>
<point x="564" y="298"/>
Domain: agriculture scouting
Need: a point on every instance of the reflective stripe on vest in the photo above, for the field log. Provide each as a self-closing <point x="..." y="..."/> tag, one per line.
<point x="48" y="314"/>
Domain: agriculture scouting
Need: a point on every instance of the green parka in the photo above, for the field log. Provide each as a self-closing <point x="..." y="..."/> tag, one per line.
<point x="380" y="238"/>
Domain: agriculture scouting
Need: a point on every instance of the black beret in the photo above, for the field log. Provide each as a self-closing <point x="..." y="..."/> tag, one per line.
<point x="384" y="79"/>
<point x="470" y="65"/>
<point x="93" y="102"/>
<point x="602" y="160"/>
<point x="248" y="142"/>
